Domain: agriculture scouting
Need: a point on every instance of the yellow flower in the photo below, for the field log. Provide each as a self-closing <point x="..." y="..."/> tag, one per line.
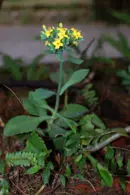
<point x="59" y="37"/>
<point x="62" y="35"/>
<point x="44" y="27"/>
<point x="75" y="43"/>
<point x="48" y="32"/>
<point x="60" y="25"/>
<point x="76" y="34"/>
<point x="47" y="43"/>
<point x="57" y="43"/>
<point x="61" y="30"/>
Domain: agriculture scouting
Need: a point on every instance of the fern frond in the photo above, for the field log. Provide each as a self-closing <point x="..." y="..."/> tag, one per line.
<point x="21" y="159"/>
<point x="90" y="95"/>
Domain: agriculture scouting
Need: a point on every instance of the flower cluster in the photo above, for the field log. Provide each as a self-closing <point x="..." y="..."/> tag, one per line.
<point x="57" y="39"/>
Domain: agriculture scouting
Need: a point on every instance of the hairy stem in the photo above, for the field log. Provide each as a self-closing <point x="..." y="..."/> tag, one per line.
<point x="101" y="145"/>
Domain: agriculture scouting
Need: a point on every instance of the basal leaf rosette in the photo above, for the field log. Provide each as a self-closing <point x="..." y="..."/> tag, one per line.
<point x="57" y="39"/>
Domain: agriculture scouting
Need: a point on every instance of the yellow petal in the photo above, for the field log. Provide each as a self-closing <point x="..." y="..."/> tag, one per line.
<point x="60" y="25"/>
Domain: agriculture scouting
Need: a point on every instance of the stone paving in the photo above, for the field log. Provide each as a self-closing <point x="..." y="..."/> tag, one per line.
<point x="18" y="41"/>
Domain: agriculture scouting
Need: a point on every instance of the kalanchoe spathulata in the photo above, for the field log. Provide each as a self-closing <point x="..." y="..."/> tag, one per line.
<point x="57" y="39"/>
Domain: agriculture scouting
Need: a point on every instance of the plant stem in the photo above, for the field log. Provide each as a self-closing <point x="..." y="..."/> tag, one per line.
<point x="95" y="148"/>
<point x="59" y="86"/>
<point x="58" y="90"/>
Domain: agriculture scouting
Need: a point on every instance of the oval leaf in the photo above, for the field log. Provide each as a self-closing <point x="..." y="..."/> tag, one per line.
<point x="105" y="175"/>
<point x="63" y="180"/>
<point x="74" y="110"/>
<point x="75" y="60"/>
<point x="41" y="94"/>
<point x="76" y="77"/>
<point x="22" y="124"/>
<point x="32" y="108"/>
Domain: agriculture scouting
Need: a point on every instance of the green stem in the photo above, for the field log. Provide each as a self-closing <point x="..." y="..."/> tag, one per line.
<point x="59" y="86"/>
<point x="58" y="90"/>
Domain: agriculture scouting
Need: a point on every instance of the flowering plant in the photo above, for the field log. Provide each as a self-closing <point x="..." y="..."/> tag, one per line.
<point x="72" y="131"/>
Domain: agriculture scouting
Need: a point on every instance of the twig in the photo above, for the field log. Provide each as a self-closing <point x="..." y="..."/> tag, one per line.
<point x="40" y="190"/>
<point x="21" y="191"/>
<point x="55" y="180"/>
<point x="106" y="142"/>
<point x="125" y="149"/>
<point x="13" y="94"/>
<point x="94" y="189"/>
<point x="53" y="190"/>
<point x="86" y="49"/>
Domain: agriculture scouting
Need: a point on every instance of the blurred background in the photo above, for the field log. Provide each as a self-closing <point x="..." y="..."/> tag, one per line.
<point x="44" y="11"/>
<point x="21" y="21"/>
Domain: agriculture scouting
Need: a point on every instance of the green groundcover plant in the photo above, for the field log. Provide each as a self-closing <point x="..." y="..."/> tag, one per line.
<point x="121" y="44"/>
<point x="68" y="130"/>
<point x="32" y="72"/>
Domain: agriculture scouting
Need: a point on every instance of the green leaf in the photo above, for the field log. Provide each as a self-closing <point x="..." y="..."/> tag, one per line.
<point x="119" y="160"/>
<point x="70" y="151"/>
<point x="73" y="140"/>
<point x="110" y="153"/>
<point x="22" y="124"/>
<point x="54" y="76"/>
<point x="4" y="187"/>
<point x="76" y="77"/>
<point x="33" y="67"/>
<point x="58" y="136"/>
<point x="33" y="170"/>
<point x="56" y="131"/>
<point x="93" y="161"/>
<point x="122" y="16"/>
<point x="65" y="124"/>
<point x="75" y="60"/>
<point x="32" y="108"/>
<point x="2" y="166"/>
<point x="41" y="73"/>
<point x="63" y="180"/>
<point x="120" y="45"/>
<point x="46" y="175"/>
<point x="35" y="144"/>
<point x="59" y="143"/>
<point x="105" y="175"/>
<point x="128" y="166"/>
<point x="21" y="158"/>
<point x="50" y="165"/>
<point x="41" y="94"/>
<point x="123" y="183"/>
<point x="123" y="74"/>
<point x="97" y="121"/>
<point x="73" y="111"/>
<point x="68" y="171"/>
<point x="78" y="158"/>
<point x="13" y="67"/>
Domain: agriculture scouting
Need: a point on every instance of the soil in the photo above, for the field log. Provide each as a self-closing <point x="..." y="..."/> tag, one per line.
<point x="113" y="109"/>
